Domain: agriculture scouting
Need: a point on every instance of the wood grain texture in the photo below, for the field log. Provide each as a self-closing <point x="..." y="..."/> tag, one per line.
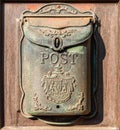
<point x="0" y="61"/>
<point x="109" y="33"/>
<point x="1" y="70"/>
<point x="108" y="77"/>
<point x="118" y="101"/>
<point x="59" y="128"/>
<point x="73" y="1"/>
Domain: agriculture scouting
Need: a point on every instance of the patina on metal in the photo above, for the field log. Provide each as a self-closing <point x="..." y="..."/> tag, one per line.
<point x="55" y="63"/>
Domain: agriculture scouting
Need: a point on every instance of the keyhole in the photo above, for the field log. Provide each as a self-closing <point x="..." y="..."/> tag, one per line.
<point x="57" y="42"/>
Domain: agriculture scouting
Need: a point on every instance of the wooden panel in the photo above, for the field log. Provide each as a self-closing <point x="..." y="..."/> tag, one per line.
<point x="109" y="33"/>
<point x="108" y="68"/>
<point x="59" y="128"/>
<point x="74" y="1"/>
<point x="1" y="71"/>
<point x="0" y="62"/>
<point x="108" y="89"/>
<point x="11" y="50"/>
<point x="118" y="101"/>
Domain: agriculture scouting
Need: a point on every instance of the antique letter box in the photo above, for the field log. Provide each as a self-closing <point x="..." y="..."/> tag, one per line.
<point x="55" y="63"/>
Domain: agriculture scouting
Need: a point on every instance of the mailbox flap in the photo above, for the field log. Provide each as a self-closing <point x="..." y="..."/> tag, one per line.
<point x="68" y="36"/>
<point x="57" y="21"/>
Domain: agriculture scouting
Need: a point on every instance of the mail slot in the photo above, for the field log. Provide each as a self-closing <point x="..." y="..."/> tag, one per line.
<point x="55" y="62"/>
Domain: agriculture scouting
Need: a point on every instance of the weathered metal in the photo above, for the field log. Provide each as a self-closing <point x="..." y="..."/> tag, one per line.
<point x="55" y="62"/>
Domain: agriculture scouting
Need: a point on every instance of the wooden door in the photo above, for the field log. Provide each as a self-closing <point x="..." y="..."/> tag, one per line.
<point x="107" y="95"/>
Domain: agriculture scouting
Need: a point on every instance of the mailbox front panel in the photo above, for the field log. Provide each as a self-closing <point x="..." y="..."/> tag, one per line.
<point x="55" y="61"/>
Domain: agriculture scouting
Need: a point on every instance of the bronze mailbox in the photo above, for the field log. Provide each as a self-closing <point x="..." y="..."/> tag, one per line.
<point x="55" y="63"/>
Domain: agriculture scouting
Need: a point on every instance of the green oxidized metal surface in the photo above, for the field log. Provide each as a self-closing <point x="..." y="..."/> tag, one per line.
<point x="55" y="61"/>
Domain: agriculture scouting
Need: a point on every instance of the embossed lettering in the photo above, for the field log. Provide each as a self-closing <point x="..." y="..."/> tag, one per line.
<point x="62" y="58"/>
<point x="44" y="56"/>
<point x="74" y="57"/>
<point x="54" y="58"/>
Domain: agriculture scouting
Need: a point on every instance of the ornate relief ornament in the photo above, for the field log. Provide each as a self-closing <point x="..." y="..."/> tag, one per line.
<point x="58" y="85"/>
<point x="59" y="9"/>
<point x="38" y="106"/>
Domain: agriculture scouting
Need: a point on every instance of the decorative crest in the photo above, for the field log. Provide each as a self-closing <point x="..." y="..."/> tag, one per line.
<point x="58" y="85"/>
